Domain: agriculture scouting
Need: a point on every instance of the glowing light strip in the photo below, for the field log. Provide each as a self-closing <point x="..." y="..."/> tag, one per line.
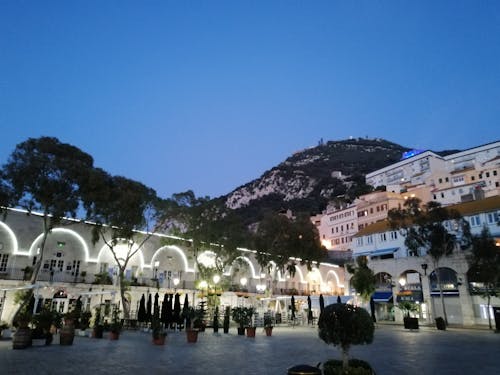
<point x="252" y="268"/>
<point x="12" y="236"/>
<point x="139" y="253"/>
<point x="336" y="277"/>
<point x="62" y="230"/>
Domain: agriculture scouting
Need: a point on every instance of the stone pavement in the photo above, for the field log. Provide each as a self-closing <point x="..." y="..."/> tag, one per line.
<point x="394" y="351"/>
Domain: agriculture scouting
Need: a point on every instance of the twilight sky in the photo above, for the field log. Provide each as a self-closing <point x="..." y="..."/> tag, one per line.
<point x="207" y="95"/>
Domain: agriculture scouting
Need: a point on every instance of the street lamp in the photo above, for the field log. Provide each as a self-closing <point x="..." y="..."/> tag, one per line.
<point x="157" y="264"/>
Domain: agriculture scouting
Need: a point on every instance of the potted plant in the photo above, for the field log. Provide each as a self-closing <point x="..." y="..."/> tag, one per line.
<point x="116" y="324"/>
<point x="216" y="320"/>
<point x="243" y="317"/>
<point x="158" y="331"/>
<point x="22" y="337"/>
<point x="344" y="325"/>
<point x="194" y="317"/>
<point x="408" y="308"/>
<point x="42" y="323"/>
<point x="67" y="333"/>
<point x="84" y="322"/>
<point x="268" y="324"/>
<point x="227" y="316"/>
<point x="98" y="327"/>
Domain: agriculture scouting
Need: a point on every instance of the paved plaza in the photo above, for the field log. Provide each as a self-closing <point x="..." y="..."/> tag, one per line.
<point x="394" y="351"/>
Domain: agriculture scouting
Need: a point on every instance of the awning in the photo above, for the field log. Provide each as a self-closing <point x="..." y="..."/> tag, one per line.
<point x="382" y="296"/>
<point x="378" y="252"/>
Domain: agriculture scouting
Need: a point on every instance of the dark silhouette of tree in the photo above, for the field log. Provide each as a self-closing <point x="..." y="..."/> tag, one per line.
<point x="125" y="213"/>
<point x="343" y="325"/>
<point x="278" y="238"/>
<point x="45" y="175"/>
<point x="363" y="278"/>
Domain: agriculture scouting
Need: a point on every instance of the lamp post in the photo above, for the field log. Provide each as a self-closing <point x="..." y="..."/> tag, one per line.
<point x="155" y="274"/>
<point x="216" y="280"/>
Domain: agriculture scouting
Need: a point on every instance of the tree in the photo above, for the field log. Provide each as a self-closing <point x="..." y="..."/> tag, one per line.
<point x="209" y="225"/>
<point x="484" y="269"/>
<point x="279" y="238"/>
<point x="44" y="175"/>
<point x="433" y="229"/>
<point x="344" y="325"/>
<point x="125" y="213"/>
<point x="363" y="278"/>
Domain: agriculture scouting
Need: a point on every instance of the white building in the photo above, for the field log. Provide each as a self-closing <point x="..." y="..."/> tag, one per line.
<point x="404" y="275"/>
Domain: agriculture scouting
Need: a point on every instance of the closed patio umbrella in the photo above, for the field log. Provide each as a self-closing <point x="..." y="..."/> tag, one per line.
<point x="177" y="310"/>
<point x="309" y="310"/>
<point x="156" y="306"/>
<point x="164" y="305"/>
<point x="185" y="310"/>
<point x="372" y="309"/>
<point x="321" y="303"/>
<point x="148" y="309"/>
<point x="141" y="313"/>
<point x="292" y="302"/>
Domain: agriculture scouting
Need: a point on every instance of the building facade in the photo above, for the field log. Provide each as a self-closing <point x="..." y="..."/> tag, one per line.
<point x="403" y="275"/>
<point x="74" y="266"/>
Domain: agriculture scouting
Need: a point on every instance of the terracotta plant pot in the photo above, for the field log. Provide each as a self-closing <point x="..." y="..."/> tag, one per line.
<point x="159" y="341"/>
<point x="251" y="331"/>
<point x="269" y="331"/>
<point x="192" y="335"/>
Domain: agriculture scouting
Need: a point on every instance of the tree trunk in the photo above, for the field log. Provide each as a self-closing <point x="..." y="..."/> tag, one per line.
<point x="38" y="264"/>
<point x="345" y="357"/>
<point x="441" y="296"/>
<point x="125" y="302"/>
<point x="488" y="311"/>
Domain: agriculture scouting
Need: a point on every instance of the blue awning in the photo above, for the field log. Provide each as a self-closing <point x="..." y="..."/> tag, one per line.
<point x="378" y="252"/>
<point x="382" y="296"/>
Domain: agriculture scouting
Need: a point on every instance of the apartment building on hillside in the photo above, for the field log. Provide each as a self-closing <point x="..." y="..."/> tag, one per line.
<point x="404" y="275"/>
<point x="460" y="177"/>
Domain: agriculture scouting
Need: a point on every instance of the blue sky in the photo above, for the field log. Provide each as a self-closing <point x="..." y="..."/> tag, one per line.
<point x="208" y="95"/>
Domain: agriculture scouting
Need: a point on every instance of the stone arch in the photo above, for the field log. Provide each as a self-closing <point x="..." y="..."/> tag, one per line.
<point x="449" y="280"/>
<point x="383" y="280"/>
<point x="105" y="254"/>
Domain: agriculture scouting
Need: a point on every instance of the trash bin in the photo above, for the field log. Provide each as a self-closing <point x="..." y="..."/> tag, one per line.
<point x="278" y="318"/>
<point x="304" y="370"/>
<point x="440" y="324"/>
<point x="496" y="314"/>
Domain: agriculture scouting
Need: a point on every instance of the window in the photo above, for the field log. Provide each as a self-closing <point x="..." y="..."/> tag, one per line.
<point x="475" y="221"/>
<point x="440" y="180"/>
<point x="487" y="174"/>
<point x="4" y="258"/>
<point x="442" y="195"/>
<point x="359" y="241"/>
<point x="383" y="237"/>
<point x="394" y="235"/>
<point x="472" y="178"/>
<point x="494" y="173"/>
<point x="492" y="217"/>
<point x="371" y="210"/>
<point x="369" y="240"/>
<point x="447" y="179"/>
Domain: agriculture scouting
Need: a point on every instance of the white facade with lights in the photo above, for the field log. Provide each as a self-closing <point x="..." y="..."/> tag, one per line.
<point x="406" y="276"/>
<point x="73" y="266"/>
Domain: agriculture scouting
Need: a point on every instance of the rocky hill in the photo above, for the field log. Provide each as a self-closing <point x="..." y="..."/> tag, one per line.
<point x="309" y="179"/>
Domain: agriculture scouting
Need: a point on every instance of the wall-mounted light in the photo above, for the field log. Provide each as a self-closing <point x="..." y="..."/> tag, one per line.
<point x="424" y="267"/>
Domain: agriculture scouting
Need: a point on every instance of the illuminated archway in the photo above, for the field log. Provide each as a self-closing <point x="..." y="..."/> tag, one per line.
<point x="176" y="250"/>
<point x="250" y="264"/>
<point x="34" y="249"/>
